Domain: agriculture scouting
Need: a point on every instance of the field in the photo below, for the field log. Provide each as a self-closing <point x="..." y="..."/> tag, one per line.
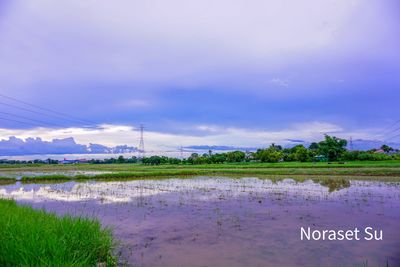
<point x="378" y="170"/>
<point x="212" y="221"/>
<point x="135" y="198"/>
<point x="31" y="237"/>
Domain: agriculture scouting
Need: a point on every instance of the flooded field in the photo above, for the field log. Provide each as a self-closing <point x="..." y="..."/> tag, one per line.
<point x="19" y="174"/>
<point x="219" y="221"/>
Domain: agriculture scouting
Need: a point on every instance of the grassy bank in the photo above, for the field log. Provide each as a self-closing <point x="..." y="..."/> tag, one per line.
<point x="126" y="171"/>
<point x="30" y="237"/>
<point x="367" y="174"/>
<point x="136" y="166"/>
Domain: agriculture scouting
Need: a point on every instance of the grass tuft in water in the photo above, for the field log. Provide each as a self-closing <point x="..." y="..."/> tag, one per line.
<point x="31" y="237"/>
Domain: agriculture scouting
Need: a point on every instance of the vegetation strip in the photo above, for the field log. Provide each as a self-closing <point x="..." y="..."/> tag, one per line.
<point x="31" y="237"/>
<point x="121" y="171"/>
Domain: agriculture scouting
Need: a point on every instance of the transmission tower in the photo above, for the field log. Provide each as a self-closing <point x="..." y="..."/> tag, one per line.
<point x="181" y="152"/>
<point x="351" y="143"/>
<point x="141" y="142"/>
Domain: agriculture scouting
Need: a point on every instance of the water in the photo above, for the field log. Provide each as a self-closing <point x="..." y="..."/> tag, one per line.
<point x="19" y="174"/>
<point x="207" y="221"/>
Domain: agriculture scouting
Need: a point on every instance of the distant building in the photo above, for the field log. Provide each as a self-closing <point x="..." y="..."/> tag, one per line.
<point x="72" y="161"/>
<point x="320" y="158"/>
<point x="391" y="152"/>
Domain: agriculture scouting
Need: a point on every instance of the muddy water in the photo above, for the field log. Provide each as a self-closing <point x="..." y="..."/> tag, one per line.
<point x="231" y="222"/>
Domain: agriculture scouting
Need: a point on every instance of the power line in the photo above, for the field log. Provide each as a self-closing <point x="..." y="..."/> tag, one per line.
<point x="394" y="131"/>
<point x="48" y="110"/>
<point x="387" y="132"/>
<point x="393" y="137"/>
<point x="29" y="119"/>
<point x="39" y="113"/>
<point x="29" y="110"/>
<point x="393" y="124"/>
<point x="22" y="122"/>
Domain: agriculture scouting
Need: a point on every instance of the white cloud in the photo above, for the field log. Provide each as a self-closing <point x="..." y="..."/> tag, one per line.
<point x="113" y="135"/>
<point x="133" y="103"/>
<point x="279" y="82"/>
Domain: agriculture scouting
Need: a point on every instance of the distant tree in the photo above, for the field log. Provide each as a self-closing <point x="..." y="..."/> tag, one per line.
<point x="235" y="156"/>
<point x="174" y="161"/>
<point x="121" y="159"/>
<point x="276" y="147"/>
<point x="300" y="153"/>
<point x="387" y="148"/>
<point x="51" y="161"/>
<point x="218" y="158"/>
<point x="313" y="146"/>
<point x="153" y="160"/>
<point x="132" y="160"/>
<point x="249" y="156"/>
<point x="332" y="147"/>
<point x="288" y="154"/>
<point x="193" y="157"/>
<point x="271" y="154"/>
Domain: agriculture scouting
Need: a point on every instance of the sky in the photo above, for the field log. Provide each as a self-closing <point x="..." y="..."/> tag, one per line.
<point x="233" y="73"/>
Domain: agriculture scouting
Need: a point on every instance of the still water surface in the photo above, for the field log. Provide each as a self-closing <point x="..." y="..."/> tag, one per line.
<point x="219" y="221"/>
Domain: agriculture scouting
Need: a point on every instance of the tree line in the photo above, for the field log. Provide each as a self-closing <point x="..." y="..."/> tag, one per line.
<point x="331" y="149"/>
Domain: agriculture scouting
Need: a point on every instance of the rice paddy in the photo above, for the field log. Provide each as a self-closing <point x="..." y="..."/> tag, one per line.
<point x="385" y="170"/>
<point x="247" y="220"/>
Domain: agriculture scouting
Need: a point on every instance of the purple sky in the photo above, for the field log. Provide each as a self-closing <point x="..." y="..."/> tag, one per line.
<point x="201" y="72"/>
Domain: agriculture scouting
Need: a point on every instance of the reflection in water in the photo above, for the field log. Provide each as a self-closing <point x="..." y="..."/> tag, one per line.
<point x="231" y="222"/>
<point x="18" y="174"/>
<point x="334" y="184"/>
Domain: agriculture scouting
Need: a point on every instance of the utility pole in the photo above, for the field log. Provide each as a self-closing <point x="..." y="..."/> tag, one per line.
<point x="141" y="142"/>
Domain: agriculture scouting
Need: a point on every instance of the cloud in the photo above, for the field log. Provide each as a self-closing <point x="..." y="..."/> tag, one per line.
<point x="36" y="146"/>
<point x="178" y="43"/>
<point x="279" y="82"/>
<point x="133" y="103"/>
<point x="233" y="65"/>
<point x="114" y="135"/>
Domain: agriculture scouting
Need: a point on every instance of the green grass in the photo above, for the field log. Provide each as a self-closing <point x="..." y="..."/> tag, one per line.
<point x="129" y="167"/>
<point x="377" y="169"/>
<point x="367" y="174"/>
<point x="31" y="237"/>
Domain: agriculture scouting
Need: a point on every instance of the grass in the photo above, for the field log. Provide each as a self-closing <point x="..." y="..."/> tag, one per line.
<point x="379" y="170"/>
<point x="31" y="237"/>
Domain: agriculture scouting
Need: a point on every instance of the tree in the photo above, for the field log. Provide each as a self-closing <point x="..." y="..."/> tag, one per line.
<point x="218" y="158"/>
<point x="153" y="160"/>
<point x="332" y="147"/>
<point x="192" y="158"/>
<point x="276" y="147"/>
<point x="235" y="156"/>
<point x="301" y="153"/>
<point x="271" y="154"/>
<point x="387" y="148"/>
<point x="313" y="146"/>
<point x="121" y="159"/>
